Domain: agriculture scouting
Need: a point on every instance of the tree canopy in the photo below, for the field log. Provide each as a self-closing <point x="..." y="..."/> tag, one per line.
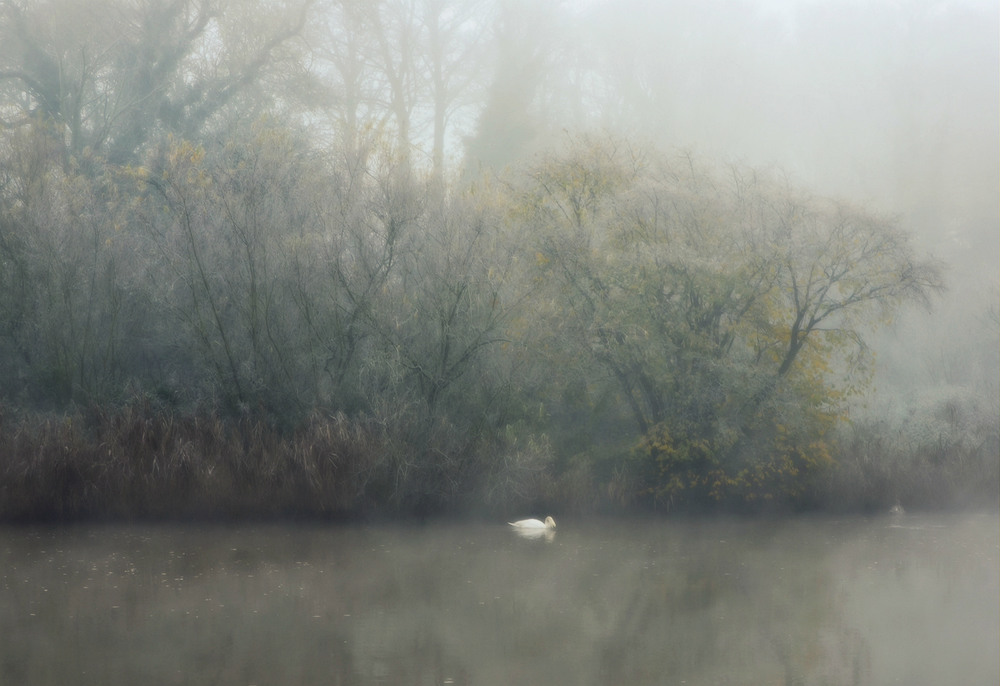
<point x="727" y="308"/>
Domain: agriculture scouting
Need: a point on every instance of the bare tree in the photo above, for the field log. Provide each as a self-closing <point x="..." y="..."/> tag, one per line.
<point x="107" y="75"/>
<point x="404" y="67"/>
<point x="725" y="308"/>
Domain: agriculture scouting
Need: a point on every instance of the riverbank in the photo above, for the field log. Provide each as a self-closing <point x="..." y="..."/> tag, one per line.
<point x="142" y="463"/>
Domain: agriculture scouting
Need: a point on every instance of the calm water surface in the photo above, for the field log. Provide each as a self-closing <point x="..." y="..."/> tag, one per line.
<point x="808" y="601"/>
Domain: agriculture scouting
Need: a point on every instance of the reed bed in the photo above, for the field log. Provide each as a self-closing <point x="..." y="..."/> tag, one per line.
<point x="142" y="462"/>
<point x="138" y="462"/>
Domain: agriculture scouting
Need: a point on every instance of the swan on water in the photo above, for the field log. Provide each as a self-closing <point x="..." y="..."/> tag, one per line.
<point x="549" y="523"/>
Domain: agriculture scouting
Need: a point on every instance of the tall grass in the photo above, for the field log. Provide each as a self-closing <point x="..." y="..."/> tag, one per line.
<point x="142" y="462"/>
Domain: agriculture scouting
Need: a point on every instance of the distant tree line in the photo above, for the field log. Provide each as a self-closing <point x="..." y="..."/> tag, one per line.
<point x="234" y="312"/>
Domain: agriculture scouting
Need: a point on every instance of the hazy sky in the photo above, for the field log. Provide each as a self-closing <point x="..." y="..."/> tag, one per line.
<point x="893" y="104"/>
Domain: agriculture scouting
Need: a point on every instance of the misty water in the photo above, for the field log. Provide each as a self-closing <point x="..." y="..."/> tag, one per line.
<point x="911" y="600"/>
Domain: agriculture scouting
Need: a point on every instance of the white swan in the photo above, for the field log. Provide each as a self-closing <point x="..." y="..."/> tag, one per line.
<point x="549" y="523"/>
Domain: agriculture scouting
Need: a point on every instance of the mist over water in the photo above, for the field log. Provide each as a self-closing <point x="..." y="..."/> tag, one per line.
<point x="849" y="601"/>
<point x="291" y="259"/>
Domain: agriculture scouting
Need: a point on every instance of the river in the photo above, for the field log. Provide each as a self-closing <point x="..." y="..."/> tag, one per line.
<point x="890" y="600"/>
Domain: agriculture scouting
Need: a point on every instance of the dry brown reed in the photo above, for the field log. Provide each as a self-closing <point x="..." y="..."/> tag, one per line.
<point x="142" y="462"/>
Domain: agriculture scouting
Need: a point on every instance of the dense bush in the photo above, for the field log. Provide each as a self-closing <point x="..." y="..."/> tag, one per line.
<point x="934" y="450"/>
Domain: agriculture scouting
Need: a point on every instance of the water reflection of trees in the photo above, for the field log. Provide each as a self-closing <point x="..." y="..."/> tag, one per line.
<point x="730" y="616"/>
<point x="709" y="603"/>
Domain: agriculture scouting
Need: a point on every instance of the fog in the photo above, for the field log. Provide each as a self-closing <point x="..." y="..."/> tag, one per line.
<point x="891" y="104"/>
<point x="312" y="272"/>
<point x="894" y="105"/>
<point x="500" y="252"/>
<point x="814" y="601"/>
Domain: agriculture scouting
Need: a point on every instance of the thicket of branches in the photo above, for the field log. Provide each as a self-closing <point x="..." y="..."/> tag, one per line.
<point x="207" y="307"/>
